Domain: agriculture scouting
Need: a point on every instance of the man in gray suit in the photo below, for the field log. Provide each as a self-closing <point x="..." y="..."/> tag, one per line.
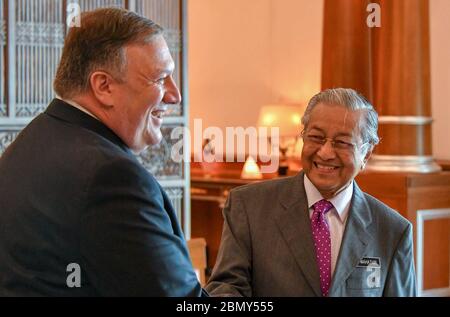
<point x="317" y="233"/>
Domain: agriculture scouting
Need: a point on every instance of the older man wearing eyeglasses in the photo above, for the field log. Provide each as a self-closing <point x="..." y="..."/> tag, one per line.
<point x="317" y="233"/>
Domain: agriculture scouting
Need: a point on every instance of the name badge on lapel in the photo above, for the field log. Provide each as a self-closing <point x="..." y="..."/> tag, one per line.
<point x="369" y="262"/>
<point x="373" y="265"/>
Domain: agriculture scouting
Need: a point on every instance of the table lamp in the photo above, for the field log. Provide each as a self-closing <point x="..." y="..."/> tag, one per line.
<point x="251" y="169"/>
<point x="288" y="119"/>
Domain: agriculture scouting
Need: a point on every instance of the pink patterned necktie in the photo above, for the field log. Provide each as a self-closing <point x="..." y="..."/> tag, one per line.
<point x="322" y="243"/>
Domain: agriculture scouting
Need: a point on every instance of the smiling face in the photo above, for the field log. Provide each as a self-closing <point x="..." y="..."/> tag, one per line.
<point x="330" y="169"/>
<point x="140" y="99"/>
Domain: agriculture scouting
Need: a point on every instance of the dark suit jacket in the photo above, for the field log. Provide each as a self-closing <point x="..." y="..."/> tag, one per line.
<point x="267" y="247"/>
<point x="72" y="192"/>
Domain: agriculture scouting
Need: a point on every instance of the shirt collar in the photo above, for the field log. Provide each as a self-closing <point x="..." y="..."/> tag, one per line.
<point x="340" y="202"/>
<point x="79" y="107"/>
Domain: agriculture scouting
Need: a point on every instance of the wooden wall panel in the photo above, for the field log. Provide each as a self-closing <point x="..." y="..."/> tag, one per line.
<point x="408" y="193"/>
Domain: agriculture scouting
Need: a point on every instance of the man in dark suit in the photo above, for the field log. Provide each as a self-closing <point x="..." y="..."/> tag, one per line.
<point x="79" y="216"/>
<point x="317" y="233"/>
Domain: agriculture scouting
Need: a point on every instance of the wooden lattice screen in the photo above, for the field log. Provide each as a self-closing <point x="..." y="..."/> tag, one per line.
<point x="31" y="39"/>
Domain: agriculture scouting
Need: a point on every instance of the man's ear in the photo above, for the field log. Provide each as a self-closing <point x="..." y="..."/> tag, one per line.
<point x="101" y="87"/>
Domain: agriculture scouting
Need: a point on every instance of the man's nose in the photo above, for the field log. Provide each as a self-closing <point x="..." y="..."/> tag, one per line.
<point x="172" y="94"/>
<point x="326" y="151"/>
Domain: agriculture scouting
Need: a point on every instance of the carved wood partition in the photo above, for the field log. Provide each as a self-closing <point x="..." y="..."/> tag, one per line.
<point x="31" y="40"/>
<point x="3" y="69"/>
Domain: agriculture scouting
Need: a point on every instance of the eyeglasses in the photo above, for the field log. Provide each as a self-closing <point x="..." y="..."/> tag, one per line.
<point x="339" y="145"/>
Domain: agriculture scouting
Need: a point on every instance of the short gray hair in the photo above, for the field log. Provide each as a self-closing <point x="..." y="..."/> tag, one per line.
<point x="352" y="100"/>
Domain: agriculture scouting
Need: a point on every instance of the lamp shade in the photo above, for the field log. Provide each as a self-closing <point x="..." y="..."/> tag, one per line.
<point x="251" y="169"/>
<point x="286" y="118"/>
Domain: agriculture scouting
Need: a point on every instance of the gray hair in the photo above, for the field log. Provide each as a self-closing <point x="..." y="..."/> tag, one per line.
<point x="352" y="100"/>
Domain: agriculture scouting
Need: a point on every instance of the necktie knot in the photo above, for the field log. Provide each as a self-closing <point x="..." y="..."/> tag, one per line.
<point x="322" y="206"/>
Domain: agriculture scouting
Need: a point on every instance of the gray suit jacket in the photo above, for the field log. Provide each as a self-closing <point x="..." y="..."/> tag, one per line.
<point x="267" y="247"/>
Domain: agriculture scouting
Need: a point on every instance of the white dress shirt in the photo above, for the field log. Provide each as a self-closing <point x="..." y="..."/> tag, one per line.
<point x="336" y="217"/>
<point x="79" y="107"/>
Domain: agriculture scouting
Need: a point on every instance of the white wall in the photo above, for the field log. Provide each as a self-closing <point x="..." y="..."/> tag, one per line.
<point x="245" y="53"/>
<point x="229" y="60"/>
<point x="440" y="76"/>
<point x="296" y="49"/>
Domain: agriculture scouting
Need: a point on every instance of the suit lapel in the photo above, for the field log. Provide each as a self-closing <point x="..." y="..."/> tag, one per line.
<point x="355" y="240"/>
<point x="294" y="223"/>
